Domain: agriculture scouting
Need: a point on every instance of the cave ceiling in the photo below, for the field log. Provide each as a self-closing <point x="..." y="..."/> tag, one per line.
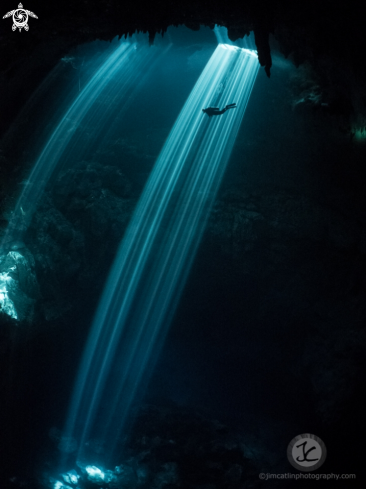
<point x="329" y="35"/>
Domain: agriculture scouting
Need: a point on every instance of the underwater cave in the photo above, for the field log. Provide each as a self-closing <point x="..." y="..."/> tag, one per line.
<point x="182" y="245"/>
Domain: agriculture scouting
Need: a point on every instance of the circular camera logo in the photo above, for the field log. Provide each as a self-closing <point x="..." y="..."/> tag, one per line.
<point x="306" y="452"/>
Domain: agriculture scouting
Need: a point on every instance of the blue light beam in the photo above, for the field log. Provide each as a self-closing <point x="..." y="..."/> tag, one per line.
<point x="127" y="68"/>
<point x="157" y="251"/>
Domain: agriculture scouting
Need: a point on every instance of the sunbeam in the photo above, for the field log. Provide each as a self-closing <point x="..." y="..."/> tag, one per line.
<point x="118" y="80"/>
<point x="157" y="251"/>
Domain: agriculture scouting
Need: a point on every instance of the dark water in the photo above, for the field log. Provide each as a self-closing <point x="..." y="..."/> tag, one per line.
<point x="236" y="347"/>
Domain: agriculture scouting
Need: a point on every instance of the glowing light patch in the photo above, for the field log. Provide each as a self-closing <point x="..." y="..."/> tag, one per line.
<point x="6" y="304"/>
<point x="95" y="474"/>
<point x="360" y="134"/>
<point x="92" y="470"/>
<point x="60" y="485"/>
<point x="74" y="479"/>
<point x="71" y="477"/>
<point x="158" y="249"/>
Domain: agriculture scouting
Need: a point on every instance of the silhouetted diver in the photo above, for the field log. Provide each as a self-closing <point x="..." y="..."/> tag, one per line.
<point x="216" y="111"/>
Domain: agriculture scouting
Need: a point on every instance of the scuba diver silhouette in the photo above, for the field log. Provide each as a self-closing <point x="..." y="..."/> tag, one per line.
<point x="216" y="111"/>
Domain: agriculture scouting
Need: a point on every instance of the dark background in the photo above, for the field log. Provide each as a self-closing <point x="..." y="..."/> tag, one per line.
<point x="269" y="334"/>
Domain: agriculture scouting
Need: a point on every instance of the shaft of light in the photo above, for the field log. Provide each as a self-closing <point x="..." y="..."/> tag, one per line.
<point x="156" y="253"/>
<point x="125" y="69"/>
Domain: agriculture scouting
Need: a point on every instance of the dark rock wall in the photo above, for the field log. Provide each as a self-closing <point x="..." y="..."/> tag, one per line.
<point x="76" y="231"/>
